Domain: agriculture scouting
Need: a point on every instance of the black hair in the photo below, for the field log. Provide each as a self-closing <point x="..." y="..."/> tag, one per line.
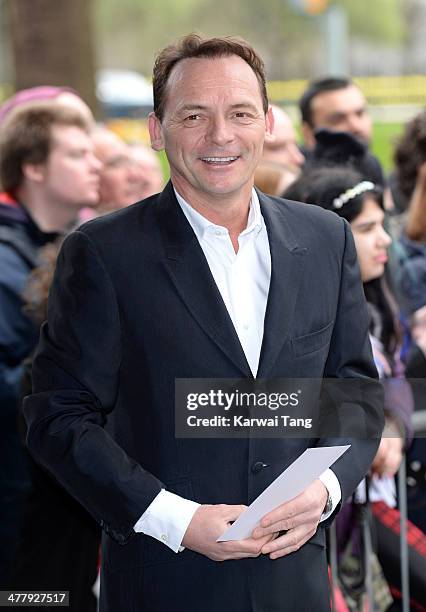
<point x="315" y="88"/>
<point x="321" y="185"/>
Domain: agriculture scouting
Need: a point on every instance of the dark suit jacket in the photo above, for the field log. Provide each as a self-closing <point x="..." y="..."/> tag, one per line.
<point x="134" y="306"/>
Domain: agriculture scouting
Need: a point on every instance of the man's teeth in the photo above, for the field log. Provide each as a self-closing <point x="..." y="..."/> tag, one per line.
<point x="219" y="159"/>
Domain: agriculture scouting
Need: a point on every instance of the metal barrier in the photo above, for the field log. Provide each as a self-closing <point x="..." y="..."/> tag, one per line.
<point x="419" y="422"/>
<point x="419" y="427"/>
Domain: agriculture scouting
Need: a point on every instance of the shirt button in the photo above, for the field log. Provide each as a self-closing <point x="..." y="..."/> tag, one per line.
<point x="218" y="233"/>
<point x="164" y="538"/>
<point x="246" y="326"/>
<point x="258" y="466"/>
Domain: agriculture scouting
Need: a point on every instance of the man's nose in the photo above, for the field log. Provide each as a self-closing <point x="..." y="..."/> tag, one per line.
<point x="355" y="125"/>
<point x="220" y="132"/>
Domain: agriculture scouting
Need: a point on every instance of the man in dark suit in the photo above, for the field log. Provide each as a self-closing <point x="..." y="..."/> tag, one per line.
<point x="209" y="279"/>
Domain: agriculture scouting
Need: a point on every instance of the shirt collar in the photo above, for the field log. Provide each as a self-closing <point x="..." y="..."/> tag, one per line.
<point x="201" y="225"/>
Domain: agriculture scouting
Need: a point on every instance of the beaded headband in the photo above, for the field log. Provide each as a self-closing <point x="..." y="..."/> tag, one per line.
<point x="351" y="193"/>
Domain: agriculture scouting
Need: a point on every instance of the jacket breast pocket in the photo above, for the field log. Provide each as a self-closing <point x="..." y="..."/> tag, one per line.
<point x="309" y="343"/>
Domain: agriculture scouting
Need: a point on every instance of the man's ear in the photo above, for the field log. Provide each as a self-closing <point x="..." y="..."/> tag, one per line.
<point x="34" y="172"/>
<point x="270" y="122"/>
<point x="155" y="132"/>
<point x="308" y="135"/>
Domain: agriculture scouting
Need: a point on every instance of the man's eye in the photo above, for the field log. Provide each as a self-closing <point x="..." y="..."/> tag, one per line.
<point x="192" y="117"/>
<point x="241" y="115"/>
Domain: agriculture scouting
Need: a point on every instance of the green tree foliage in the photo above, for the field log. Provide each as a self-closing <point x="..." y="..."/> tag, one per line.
<point x="381" y="20"/>
<point x="131" y="31"/>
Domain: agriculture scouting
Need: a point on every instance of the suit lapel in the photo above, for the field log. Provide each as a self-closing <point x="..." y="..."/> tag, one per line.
<point x="287" y="260"/>
<point x="190" y="273"/>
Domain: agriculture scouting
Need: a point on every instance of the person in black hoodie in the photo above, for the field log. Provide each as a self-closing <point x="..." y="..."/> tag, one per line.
<point x="334" y="148"/>
<point x="47" y="172"/>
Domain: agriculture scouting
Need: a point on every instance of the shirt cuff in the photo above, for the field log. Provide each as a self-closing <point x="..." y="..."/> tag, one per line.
<point x="331" y="483"/>
<point x="167" y="518"/>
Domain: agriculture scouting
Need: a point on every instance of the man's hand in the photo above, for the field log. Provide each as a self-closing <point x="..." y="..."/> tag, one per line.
<point x="299" y="517"/>
<point x="208" y="523"/>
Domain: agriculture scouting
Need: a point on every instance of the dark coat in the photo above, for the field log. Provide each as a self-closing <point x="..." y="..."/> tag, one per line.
<point x="19" y="245"/>
<point x="133" y="307"/>
<point x="20" y="241"/>
<point x="412" y="273"/>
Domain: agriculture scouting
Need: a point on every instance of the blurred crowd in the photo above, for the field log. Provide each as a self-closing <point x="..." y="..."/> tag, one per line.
<point x="59" y="169"/>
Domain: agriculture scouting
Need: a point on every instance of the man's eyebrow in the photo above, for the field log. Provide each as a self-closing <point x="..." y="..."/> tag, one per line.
<point x="246" y="105"/>
<point x="340" y="114"/>
<point x="337" y="115"/>
<point x="192" y="107"/>
<point x="237" y="105"/>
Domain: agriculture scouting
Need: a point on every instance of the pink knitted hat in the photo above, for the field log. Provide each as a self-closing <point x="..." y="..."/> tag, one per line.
<point x="34" y="94"/>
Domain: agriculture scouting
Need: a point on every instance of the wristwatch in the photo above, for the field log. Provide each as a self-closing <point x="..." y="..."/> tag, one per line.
<point x="328" y="506"/>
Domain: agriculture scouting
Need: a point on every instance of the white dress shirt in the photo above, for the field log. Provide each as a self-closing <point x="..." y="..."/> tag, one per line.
<point x="243" y="281"/>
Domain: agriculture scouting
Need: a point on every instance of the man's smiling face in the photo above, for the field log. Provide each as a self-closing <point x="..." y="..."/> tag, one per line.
<point x="213" y="127"/>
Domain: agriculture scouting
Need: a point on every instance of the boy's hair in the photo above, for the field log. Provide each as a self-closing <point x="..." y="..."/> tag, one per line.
<point x="26" y="137"/>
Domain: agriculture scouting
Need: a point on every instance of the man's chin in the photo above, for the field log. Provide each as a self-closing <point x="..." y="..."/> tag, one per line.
<point x="227" y="191"/>
<point x="225" y="187"/>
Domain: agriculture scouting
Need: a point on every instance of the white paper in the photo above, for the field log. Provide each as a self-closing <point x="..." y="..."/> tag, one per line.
<point x="299" y="475"/>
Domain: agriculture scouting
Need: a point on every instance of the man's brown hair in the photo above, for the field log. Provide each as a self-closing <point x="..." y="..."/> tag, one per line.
<point x="26" y="137"/>
<point x="194" y="46"/>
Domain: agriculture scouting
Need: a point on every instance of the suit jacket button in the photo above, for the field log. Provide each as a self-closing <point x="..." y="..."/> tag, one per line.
<point x="258" y="466"/>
